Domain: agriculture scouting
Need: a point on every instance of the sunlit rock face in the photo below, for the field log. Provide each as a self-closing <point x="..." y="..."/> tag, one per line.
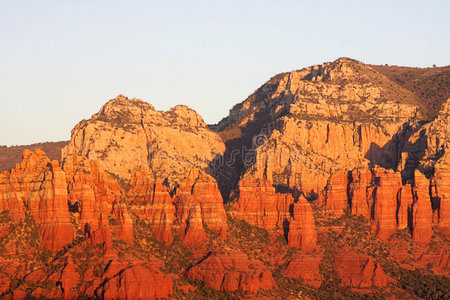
<point x="326" y="182"/>
<point x="129" y="133"/>
<point x="37" y="189"/>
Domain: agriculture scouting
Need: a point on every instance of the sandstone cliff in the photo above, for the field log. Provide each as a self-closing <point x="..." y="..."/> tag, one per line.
<point x="327" y="182"/>
<point x="37" y="188"/>
<point x="129" y="133"/>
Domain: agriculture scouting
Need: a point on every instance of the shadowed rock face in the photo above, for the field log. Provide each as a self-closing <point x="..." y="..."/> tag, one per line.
<point x="326" y="182"/>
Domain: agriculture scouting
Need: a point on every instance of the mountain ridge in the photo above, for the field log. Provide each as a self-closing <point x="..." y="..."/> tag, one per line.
<point x="327" y="182"/>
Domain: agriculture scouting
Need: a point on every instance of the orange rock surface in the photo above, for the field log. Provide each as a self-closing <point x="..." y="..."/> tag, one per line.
<point x="261" y="206"/>
<point x="304" y="268"/>
<point x="335" y="194"/>
<point x="232" y="271"/>
<point x="37" y="187"/>
<point x="361" y="192"/>
<point x="302" y="229"/>
<point x="421" y="210"/>
<point x="388" y="185"/>
<point x="199" y="203"/>
<point x="150" y="200"/>
<point x="404" y="212"/>
<point x="203" y="190"/>
<point x="326" y="181"/>
<point x="129" y="133"/>
<point x="443" y="195"/>
<point x="143" y="281"/>
<point x="99" y="198"/>
<point x="358" y="270"/>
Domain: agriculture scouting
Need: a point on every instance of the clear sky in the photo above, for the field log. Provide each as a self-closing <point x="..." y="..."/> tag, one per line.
<point x="60" y="61"/>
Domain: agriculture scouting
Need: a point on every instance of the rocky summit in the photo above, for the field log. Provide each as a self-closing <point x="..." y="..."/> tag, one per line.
<point x="330" y="182"/>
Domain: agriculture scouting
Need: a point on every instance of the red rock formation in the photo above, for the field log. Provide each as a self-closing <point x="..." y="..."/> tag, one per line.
<point x="128" y="133"/>
<point x="117" y="280"/>
<point x="259" y="205"/>
<point x="304" y="268"/>
<point x="198" y="202"/>
<point x="127" y="164"/>
<point x="69" y="280"/>
<point x="150" y="200"/>
<point x="422" y="214"/>
<point x="405" y="201"/>
<point x="335" y="193"/>
<point x="231" y="271"/>
<point x="378" y="194"/>
<point x="189" y="214"/>
<point x="320" y="120"/>
<point x="37" y="186"/>
<point x="442" y="174"/>
<point x="357" y="270"/>
<point x="97" y="195"/>
<point x="124" y="226"/>
<point x="361" y="192"/>
<point x="143" y="281"/>
<point x="385" y="207"/>
<point x="54" y="218"/>
<point x="302" y="229"/>
<point x="204" y="191"/>
<point x="429" y="149"/>
<point x="4" y="283"/>
<point x="439" y="259"/>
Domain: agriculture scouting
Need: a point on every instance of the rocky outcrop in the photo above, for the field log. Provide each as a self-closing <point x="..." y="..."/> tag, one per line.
<point x="142" y="281"/>
<point x="442" y="196"/>
<point x="388" y="185"/>
<point x="260" y="205"/>
<point x="404" y="207"/>
<point x="196" y="203"/>
<point x="204" y="191"/>
<point x="37" y="187"/>
<point x="97" y="197"/>
<point x="189" y="213"/>
<point x="118" y="280"/>
<point x="318" y="130"/>
<point x="357" y="270"/>
<point x="335" y="194"/>
<point x="149" y="198"/>
<point x="199" y="204"/>
<point x="128" y="133"/>
<point x="165" y="179"/>
<point x="321" y="120"/>
<point x="302" y="229"/>
<point x="136" y="208"/>
<point x="429" y="144"/>
<point x="305" y="268"/>
<point x="232" y="271"/>
<point x="361" y="192"/>
<point x="379" y="195"/>
<point x="422" y="215"/>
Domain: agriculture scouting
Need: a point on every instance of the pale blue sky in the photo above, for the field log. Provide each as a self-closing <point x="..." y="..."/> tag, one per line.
<point x="62" y="60"/>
